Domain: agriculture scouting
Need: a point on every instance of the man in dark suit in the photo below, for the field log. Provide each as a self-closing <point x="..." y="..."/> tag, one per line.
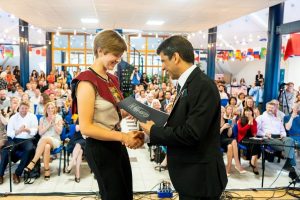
<point x="166" y="101"/>
<point x="192" y="131"/>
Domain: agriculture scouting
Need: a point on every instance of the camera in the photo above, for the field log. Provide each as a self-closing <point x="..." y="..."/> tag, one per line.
<point x="257" y="83"/>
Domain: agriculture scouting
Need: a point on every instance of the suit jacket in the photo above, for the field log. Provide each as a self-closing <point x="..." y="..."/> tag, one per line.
<point x="192" y="137"/>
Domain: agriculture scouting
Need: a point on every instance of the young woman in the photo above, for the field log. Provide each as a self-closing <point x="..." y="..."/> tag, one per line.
<point x="95" y="97"/>
<point x="228" y="143"/>
<point x="49" y="129"/>
<point x="76" y="145"/>
<point x="247" y="127"/>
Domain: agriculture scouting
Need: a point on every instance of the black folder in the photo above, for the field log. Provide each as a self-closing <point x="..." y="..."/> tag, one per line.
<point x="143" y="112"/>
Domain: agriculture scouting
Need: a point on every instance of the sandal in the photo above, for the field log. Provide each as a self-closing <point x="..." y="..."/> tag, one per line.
<point x="27" y="170"/>
<point x="253" y="169"/>
<point x="47" y="178"/>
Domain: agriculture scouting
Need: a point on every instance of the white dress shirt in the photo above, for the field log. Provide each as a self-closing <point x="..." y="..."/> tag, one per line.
<point x="184" y="76"/>
<point x="268" y="123"/>
<point x="16" y="121"/>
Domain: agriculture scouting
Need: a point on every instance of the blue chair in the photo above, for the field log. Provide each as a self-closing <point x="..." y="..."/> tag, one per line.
<point x="39" y="117"/>
<point x="240" y="146"/>
<point x="224" y="102"/>
<point x="61" y="148"/>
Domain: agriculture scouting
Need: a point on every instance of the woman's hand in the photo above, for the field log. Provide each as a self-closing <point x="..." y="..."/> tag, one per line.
<point x="133" y="139"/>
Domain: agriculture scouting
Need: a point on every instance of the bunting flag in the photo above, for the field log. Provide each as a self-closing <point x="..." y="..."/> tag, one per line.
<point x="225" y="55"/>
<point x="2" y="51"/>
<point x="256" y="55"/>
<point x="293" y="46"/>
<point x="263" y="53"/>
<point x="244" y="54"/>
<point x="197" y="55"/>
<point x="9" y="51"/>
<point x="250" y="52"/>
<point x="238" y="55"/>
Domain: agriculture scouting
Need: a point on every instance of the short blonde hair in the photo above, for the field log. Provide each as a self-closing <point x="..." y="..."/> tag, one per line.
<point x="110" y="42"/>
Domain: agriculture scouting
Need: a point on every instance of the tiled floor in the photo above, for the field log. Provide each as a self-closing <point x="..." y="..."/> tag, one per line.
<point x="145" y="178"/>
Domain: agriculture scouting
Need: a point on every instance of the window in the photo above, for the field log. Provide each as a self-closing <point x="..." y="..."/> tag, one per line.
<point x="72" y="51"/>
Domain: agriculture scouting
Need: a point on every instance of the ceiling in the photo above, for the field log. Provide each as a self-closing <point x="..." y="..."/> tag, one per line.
<point x="241" y="24"/>
<point x="178" y="15"/>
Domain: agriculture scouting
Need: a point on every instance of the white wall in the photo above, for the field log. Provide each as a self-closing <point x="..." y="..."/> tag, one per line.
<point x="248" y="70"/>
<point x="36" y="62"/>
<point x="292" y="71"/>
<point x="242" y="69"/>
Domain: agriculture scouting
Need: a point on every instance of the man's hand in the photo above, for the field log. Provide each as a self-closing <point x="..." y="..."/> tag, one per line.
<point x="147" y="126"/>
<point x="133" y="139"/>
<point x="269" y="135"/>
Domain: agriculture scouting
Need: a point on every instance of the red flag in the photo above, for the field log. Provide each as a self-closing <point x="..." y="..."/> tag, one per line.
<point x="293" y="46"/>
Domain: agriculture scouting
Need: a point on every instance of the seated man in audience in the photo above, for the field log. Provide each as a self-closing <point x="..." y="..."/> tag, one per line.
<point x="4" y="100"/>
<point x="21" y="128"/>
<point x="292" y="124"/>
<point x="272" y="128"/>
<point x="280" y="115"/>
<point x="166" y="101"/>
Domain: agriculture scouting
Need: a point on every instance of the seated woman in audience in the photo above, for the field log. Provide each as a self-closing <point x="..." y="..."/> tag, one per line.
<point x="77" y="146"/>
<point x="13" y="108"/>
<point x="229" y="144"/>
<point x="42" y="76"/>
<point x="44" y="99"/>
<point x="249" y="102"/>
<point x="229" y="115"/>
<point x="50" y="128"/>
<point x="156" y="104"/>
<point x="247" y="127"/>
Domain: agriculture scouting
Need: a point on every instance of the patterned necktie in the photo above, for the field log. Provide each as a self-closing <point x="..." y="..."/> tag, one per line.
<point x="178" y="89"/>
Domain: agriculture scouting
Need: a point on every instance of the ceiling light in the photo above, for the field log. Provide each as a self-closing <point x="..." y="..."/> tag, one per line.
<point x="203" y="36"/>
<point x="89" y="20"/>
<point x="22" y="29"/>
<point x="59" y="28"/>
<point x="83" y="28"/>
<point x="200" y="32"/>
<point x="155" y="23"/>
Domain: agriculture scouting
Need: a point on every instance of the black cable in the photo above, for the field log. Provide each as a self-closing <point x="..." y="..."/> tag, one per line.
<point x="279" y="172"/>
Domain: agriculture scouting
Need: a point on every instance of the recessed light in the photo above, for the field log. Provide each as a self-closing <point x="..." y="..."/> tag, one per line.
<point x="155" y="23"/>
<point x="89" y="20"/>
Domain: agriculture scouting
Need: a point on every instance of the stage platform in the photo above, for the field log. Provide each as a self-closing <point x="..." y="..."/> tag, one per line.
<point x="264" y="194"/>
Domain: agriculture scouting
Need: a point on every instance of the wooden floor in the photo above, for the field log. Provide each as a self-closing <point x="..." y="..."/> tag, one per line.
<point x="232" y="194"/>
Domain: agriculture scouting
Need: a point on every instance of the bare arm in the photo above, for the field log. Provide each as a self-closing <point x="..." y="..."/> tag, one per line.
<point x="86" y="102"/>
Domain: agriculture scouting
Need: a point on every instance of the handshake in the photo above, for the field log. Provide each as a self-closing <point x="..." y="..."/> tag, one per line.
<point x="133" y="139"/>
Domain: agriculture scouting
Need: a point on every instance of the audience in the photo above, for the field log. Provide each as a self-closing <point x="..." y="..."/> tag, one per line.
<point x="21" y="128"/>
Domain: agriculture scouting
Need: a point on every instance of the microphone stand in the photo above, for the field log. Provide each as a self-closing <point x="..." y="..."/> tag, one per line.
<point x="263" y="143"/>
<point x="10" y="149"/>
